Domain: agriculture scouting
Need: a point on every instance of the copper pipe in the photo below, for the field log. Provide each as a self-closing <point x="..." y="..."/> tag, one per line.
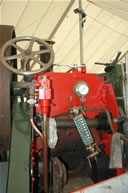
<point x="45" y="155"/>
<point x="35" y="128"/>
<point x="33" y="124"/>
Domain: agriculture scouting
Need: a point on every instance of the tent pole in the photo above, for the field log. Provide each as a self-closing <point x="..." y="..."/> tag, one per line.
<point x="81" y="34"/>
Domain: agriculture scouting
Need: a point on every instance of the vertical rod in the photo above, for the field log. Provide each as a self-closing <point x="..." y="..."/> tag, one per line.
<point x="81" y="34"/>
<point x="125" y="130"/>
<point x="126" y="85"/>
<point x="45" y="155"/>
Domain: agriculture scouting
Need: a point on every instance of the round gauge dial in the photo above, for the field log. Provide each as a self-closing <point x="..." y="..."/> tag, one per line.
<point x="81" y="89"/>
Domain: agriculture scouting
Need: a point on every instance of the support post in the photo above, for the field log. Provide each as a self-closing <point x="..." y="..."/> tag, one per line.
<point x="81" y="34"/>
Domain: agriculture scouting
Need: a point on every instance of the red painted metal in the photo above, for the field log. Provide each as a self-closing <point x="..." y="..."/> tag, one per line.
<point x="101" y="96"/>
<point x="34" y="150"/>
<point x="38" y="84"/>
<point x="44" y="95"/>
<point x="44" y="104"/>
<point x="62" y="85"/>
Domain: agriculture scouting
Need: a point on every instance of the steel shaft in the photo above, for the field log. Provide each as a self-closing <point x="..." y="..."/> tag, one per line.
<point x="45" y="155"/>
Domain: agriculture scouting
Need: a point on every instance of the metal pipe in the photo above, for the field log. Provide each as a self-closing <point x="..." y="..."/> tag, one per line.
<point x="35" y="128"/>
<point x="107" y="113"/>
<point x="126" y="85"/>
<point x="125" y="89"/>
<point x="122" y="56"/>
<point x="33" y="124"/>
<point x="109" y="119"/>
<point x="18" y="85"/>
<point x="92" y="123"/>
<point x="69" y="123"/>
<point x="45" y="155"/>
<point x="81" y="34"/>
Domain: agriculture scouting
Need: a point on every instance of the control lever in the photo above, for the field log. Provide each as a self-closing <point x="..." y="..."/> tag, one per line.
<point x="71" y="66"/>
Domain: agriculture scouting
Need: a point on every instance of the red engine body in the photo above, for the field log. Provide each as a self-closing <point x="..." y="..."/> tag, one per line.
<point x="101" y="95"/>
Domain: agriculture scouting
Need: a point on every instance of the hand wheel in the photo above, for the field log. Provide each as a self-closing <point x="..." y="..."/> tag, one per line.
<point x="28" y="57"/>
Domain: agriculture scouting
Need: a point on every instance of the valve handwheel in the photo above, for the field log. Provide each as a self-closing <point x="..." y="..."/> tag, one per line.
<point x="28" y="57"/>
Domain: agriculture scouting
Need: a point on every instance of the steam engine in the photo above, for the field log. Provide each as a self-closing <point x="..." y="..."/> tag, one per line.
<point x="62" y="124"/>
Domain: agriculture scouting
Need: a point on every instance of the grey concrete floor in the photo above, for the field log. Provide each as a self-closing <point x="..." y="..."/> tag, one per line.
<point x="76" y="184"/>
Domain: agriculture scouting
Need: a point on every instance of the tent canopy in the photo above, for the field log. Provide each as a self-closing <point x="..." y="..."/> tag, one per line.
<point x="105" y="30"/>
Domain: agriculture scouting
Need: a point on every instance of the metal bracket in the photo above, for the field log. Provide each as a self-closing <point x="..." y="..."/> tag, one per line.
<point x="82" y="13"/>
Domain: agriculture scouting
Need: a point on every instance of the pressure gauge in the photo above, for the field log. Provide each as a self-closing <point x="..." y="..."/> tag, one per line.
<point x="81" y="89"/>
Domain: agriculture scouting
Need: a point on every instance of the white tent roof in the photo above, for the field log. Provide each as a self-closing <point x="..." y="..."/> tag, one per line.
<point x="105" y="29"/>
